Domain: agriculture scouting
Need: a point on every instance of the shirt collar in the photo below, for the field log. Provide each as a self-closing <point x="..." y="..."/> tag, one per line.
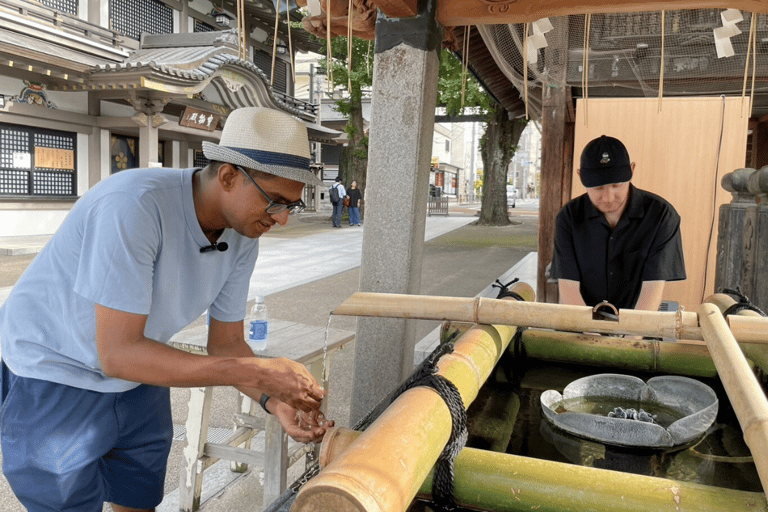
<point x="634" y="207"/>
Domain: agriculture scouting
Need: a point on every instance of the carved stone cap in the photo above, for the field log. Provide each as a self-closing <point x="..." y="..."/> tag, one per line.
<point x="747" y="185"/>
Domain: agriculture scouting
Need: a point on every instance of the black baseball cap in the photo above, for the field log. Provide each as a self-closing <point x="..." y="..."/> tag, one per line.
<point x="604" y="161"/>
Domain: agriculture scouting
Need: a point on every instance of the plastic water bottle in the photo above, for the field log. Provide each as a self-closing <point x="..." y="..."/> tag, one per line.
<point x="257" y="335"/>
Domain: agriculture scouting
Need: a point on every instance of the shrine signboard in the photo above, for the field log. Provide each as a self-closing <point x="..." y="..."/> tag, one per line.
<point x="199" y="119"/>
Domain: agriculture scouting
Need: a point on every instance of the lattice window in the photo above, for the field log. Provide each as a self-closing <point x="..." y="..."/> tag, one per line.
<point x="49" y="183"/>
<point x="132" y="17"/>
<point x="37" y="162"/>
<point x="200" y="160"/>
<point x="263" y="61"/>
<point x="67" y="6"/>
<point x="201" y="26"/>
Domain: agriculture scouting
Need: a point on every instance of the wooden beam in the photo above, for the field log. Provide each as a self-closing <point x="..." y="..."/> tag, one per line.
<point x="554" y="176"/>
<point x="455" y="13"/>
<point x="398" y="8"/>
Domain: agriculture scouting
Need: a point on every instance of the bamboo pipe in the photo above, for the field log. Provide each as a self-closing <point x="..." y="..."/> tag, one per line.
<point x="742" y="322"/>
<point x="741" y="385"/>
<point x="502" y="482"/>
<point x="681" y="358"/>
<point x="561" y="317"/>
<point x="384" y="470"/>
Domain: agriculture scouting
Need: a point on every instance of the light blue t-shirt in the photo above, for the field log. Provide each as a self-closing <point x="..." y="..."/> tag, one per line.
<point x="131" y="243"/>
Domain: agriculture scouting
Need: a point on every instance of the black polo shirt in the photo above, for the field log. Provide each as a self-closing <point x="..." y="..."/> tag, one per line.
<point x="611" y="264"/>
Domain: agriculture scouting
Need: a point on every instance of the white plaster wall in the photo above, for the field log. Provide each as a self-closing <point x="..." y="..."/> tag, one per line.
<point x="109" y="108"/>
<point x="10" y="86"/>
<point x="30" y="222"/>
<point x="69" y="101"/>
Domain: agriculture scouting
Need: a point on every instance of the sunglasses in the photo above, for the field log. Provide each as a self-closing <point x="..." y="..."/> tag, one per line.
<point x="274" y="207"/>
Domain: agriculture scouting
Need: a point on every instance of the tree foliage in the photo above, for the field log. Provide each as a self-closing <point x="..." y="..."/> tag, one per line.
<point x="497" y="145"/>
<point x="354" y="86"/>
<point x="457" y="92"/>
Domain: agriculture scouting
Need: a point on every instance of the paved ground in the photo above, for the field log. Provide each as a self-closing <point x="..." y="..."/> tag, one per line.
<point x="460" y="260"/>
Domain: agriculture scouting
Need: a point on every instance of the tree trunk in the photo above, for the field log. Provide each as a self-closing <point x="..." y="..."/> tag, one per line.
<point x="497" y="146"/>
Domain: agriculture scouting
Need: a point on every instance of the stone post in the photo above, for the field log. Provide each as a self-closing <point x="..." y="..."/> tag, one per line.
<point x="405" y="73"/>
<point x="743" y="235"/>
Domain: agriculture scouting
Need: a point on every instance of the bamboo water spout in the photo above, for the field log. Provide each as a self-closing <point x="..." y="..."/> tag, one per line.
<point x="385" y="470"/>
<point x="508" y="483"/>
<point x="741" y="323"/>
<point x="744" y="391"/>
<point x="678" y="325"/>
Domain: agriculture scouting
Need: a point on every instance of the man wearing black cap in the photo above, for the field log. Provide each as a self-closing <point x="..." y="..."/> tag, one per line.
<point x="616" y="242"/>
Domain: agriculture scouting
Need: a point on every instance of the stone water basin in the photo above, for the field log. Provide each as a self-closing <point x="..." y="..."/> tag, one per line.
<point x="684" y="409"/>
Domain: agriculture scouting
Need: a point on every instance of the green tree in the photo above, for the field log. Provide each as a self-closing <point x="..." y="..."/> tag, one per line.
<point x="497" y="145"/>
<point x="457" y="93"/>
<point x="353" y="161"/>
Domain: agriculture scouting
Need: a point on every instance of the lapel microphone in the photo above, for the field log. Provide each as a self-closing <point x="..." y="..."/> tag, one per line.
<point x="221" y="247"/>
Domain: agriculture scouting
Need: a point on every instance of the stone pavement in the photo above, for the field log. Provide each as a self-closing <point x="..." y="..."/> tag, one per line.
<point x="305" y="270"/>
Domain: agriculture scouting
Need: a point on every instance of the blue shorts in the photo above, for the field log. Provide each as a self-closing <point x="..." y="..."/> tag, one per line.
<point x="71" y="449"/>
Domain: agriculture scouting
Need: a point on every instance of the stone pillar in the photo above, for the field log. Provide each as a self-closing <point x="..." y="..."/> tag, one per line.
<point x="743" y="236"/>
<point x="405" y="73"/>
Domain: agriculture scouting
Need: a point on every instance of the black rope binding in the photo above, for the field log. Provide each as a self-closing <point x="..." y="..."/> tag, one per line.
<point x="426" y="375"/>
<point x="742" y="303"/>
<point x="504" y="290"/>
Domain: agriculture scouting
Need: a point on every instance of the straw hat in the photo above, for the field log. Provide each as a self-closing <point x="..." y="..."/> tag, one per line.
<point x="267" y="140"/>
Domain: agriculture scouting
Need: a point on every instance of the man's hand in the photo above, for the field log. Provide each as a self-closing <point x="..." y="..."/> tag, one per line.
<point x="289" y="382"/>
<point x="304" y="427"/>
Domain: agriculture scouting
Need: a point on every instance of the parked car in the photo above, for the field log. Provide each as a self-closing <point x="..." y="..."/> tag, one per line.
<point x="511" y="196"/>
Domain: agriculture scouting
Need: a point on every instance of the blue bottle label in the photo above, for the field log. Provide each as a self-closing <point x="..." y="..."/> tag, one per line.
<point x="258" y="330"/>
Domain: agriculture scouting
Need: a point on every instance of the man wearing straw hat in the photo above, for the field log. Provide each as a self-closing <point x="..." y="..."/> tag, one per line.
<point x="616" y="242"/>
<point x="86" y="371"/>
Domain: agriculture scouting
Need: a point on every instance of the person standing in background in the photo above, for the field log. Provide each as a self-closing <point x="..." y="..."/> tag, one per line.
<point x="354" y="204"/>
<point x="338" y="206"/>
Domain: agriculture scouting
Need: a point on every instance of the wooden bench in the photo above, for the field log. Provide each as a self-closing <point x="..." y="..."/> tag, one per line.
<point x="299" y="342"/>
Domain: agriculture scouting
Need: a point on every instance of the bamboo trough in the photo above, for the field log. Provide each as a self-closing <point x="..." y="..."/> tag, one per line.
<point x="383" y="470"/>
<point x="511" y="483"/>
<point x="378" y="474"/>
<point x="679" y="325"/>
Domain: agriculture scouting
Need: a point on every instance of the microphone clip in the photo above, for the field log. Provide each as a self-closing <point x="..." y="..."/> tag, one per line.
<point x="221" y="247"/>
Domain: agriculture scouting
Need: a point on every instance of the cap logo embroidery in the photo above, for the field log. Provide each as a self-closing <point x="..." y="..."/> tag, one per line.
<point x="605" y="159"/>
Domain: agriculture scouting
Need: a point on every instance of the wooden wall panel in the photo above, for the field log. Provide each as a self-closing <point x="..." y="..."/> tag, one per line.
<point x="679" y="156"/>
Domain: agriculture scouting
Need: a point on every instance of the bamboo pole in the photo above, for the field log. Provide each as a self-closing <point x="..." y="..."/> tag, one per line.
<point x="502" y="482"/>
<point x="385" y="470"/>
<point x="678" y="325"/>
<point x="742" y="323"/>
<point x="744" y="391"/>
<point x="682" y="358"/>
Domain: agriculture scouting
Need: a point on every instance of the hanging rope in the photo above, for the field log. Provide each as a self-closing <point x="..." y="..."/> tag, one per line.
<point x="585" y="66"/>
<point x="368" y="60"/>
<point x="751" y="49"/>
<point x="661" y="73"/>
<point x="349" y="47"/>
<point x="242" y="51"/>
<point x="274" y="42"/>
<point x="328" y="51"/>
<point x="525" y="69"/>
<point x="753" y="32"/>
<point x="465" y="64"/>
<point x="290" y="41"/>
